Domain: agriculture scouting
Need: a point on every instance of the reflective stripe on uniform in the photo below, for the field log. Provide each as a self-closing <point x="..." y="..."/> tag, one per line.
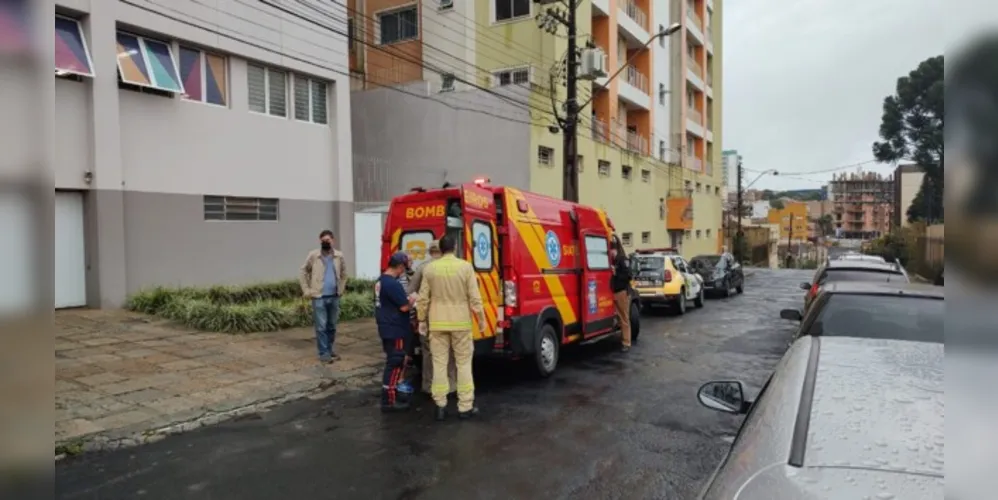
<point x="450" y="325"/>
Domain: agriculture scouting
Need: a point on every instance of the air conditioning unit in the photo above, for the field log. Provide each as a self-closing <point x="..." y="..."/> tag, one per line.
<point x="593" y="64"/>
<point x="446" y="5"/>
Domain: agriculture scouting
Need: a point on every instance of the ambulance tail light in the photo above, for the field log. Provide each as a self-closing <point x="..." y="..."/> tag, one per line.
<point x="509" y="293"/>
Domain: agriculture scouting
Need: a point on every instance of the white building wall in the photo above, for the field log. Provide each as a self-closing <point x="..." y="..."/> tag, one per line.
<point x="662" y="79"/>
<point x="145" y="161"/>
<point x="449" y="38"/>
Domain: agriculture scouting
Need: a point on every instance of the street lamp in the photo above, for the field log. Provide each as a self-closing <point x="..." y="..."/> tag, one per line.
<point x="761" y="174"/>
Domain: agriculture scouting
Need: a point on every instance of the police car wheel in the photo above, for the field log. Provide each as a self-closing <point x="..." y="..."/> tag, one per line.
<point x="681" y="302"/>
<point x="635" y="322"/>
<point x="546" y="353"/>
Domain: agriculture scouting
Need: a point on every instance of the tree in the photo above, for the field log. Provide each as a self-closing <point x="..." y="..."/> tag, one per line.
<point x="776" y="203"/>
<point x="912" y="130"/>
<point x="766" y="194"/>
<point x="825" y="225"/>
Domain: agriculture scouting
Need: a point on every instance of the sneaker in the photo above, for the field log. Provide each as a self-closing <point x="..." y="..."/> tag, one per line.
<point x="625" y="348"/>
<point x="398" y="406"/>
<point x="324" y="360"/>
<point x="441" y="414"/>
<point x="335" y="357"/>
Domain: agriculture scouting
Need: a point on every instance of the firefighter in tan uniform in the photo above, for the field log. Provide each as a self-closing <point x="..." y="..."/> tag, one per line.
<point x="427" y="366"/>
<point x="448" y="296"/>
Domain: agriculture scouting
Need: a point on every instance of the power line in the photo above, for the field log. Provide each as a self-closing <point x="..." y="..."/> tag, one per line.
<point x="816" y="172"/>
<point x="309" y="62"/>
<point x="401" y="56"/>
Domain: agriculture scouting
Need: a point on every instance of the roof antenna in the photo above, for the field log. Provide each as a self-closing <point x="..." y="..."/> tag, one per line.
<point x="446" y="185"/>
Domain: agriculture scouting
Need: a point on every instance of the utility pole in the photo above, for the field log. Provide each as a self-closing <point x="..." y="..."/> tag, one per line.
<point x="738" y="216"/>
<point x="790" y="237"/>
<point x="570" y="174"/>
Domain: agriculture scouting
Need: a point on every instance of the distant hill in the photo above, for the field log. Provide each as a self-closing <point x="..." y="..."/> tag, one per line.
<point x="796" y="194"/>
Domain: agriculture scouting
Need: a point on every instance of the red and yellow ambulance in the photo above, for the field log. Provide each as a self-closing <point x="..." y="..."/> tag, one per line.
<point x="542" y="264"/>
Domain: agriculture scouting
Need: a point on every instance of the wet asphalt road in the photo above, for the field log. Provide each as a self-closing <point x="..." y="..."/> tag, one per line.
<point x="606" y="425"/>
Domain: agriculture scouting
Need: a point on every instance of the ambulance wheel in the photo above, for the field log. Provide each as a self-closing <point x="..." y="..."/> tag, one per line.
<point x="635" y="322"/>
<point x="546" y="353"/>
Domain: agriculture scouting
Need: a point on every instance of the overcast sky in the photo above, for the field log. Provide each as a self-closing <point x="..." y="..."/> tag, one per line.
<point x="805" y="80"/>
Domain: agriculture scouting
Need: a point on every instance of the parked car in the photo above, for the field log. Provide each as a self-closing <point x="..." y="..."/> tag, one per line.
<point x="663" y="278"/>
<point x="874" y="310"/>
<point x="720" y="273"/>
<point x="840" y="417"/>
<point x="834" y="271"/>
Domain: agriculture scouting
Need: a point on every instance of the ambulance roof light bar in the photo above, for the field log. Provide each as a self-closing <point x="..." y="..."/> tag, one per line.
<point x="481" y="181"/>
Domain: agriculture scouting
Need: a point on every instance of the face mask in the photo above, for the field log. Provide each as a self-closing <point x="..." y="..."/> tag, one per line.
<point x="326" y="245"/>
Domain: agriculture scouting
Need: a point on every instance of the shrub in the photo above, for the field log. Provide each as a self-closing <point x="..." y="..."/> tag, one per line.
<point x="260" y="307"/>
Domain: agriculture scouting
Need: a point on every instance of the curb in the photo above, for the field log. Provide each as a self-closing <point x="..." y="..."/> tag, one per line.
<point x="150" y="432"/>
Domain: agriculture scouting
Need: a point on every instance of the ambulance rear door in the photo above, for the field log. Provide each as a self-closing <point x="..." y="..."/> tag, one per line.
<point x="482" y="250"/>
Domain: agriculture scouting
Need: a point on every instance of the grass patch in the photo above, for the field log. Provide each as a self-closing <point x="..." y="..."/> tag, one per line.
<point x="263" y="307"/>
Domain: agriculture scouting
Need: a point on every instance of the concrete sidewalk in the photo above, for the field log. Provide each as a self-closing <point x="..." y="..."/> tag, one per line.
<point x="124" y="378"/>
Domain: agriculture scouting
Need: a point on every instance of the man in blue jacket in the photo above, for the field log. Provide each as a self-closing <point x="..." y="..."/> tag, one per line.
<point x="391" y="311"/>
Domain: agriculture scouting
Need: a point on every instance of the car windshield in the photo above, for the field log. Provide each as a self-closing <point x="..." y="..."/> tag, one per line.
<point x="705" y="261"/>
<point x="893" y="317"/>
<point x="866" y="276"/>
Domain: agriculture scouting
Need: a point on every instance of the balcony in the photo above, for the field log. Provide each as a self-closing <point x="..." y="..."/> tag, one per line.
<point x="634" y="23"/>
<point x="601" y="132"/>
<point x="694" y="163"/>
<point x="601" y="7"/>
<point x="637" y="143"/>
<point x="634" y="88"/>
<point x="709" y="35"/>
<point x="694" y="26"/>
<point x="694" y="122"/>
<point x="618" y="135"/>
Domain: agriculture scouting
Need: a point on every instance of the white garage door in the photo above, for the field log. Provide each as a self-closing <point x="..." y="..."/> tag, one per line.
<point x="18" y="285"/>
<point x="367" y="230"/>
<point x="70" y="262"/>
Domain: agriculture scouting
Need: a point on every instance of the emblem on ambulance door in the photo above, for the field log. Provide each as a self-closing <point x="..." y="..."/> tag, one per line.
<point x="553" y="247"/>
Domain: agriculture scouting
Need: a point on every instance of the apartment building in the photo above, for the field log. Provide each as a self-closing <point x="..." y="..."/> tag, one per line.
<point x="907" y="183"/>
<point x="697" y="123"/>
<point x="792" y="219"/>
<point x="192" y="145"/>
<point x="471" y="89"/>
<point x="862" y="204"/>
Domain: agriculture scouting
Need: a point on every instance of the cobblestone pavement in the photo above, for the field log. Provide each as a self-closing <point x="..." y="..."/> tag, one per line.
<point x="607" y="425"/>
<point x="121" y="377"/>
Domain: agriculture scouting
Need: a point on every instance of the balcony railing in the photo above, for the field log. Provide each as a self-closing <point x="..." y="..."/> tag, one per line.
<point x="637" y="143"/>
<point x="694" y="18"/>
<point x="636" y="14"/>
<point x="636" y="78"/>
<point x="695" y="67"/>
<point x="695" y="115"/>
<point x="694" y="163"/>
<point x="600" y="130"/>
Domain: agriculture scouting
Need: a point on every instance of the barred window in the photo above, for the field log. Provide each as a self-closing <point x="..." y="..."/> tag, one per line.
<point x="232" y="208"/>
<point x="310" y="100"/>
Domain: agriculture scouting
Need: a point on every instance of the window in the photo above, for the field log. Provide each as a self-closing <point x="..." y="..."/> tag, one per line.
<point x="268" y="90"/>
<point x="310" y="100"/>
<point x="516" y="76"/>
<point x="147" y="63"/>
<point x="625" y="239"/>
<point x="661" y="92"/>
<point x="446" y="82"/>
<point x="882" y="317"/>
<point x="398" y="26"/>
<point x="232" y="208"/>
<point x="708" y="233"/>
<point x="661" y="39"/>
<point x="446" y="5"/>
<point x="545" y="155"/>
<point x="687" y="234"/>
<point x="717" y="191"/>
<point x="603" y="168"/>
<point x="481" y="241"/>
<point x="689" y="186"/>
<point x="661" y="150"/>
<point x="645" y="175"/>
<point x="511" y="9"/>
<point x="691" y="100"/>
<point x="72" y="57"/>
<point x="699" y="187"/>
<point x="646" y="237"/>
<point x="698" y="234"/>
<point x="625" y="172"/>
<point x="597" y="254"/>
<point x="204" y="76"/>
<point x="579" y="163"/>
<point x="661" y="208"/>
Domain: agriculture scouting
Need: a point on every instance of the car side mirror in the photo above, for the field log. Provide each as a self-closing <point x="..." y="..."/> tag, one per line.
<point x="725" y="396"/>
<point x="805" y="286"/>
<point x="791" y="314"/>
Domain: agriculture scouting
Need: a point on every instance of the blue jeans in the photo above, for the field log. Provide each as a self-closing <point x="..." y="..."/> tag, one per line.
<point x="325" y="314"/>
